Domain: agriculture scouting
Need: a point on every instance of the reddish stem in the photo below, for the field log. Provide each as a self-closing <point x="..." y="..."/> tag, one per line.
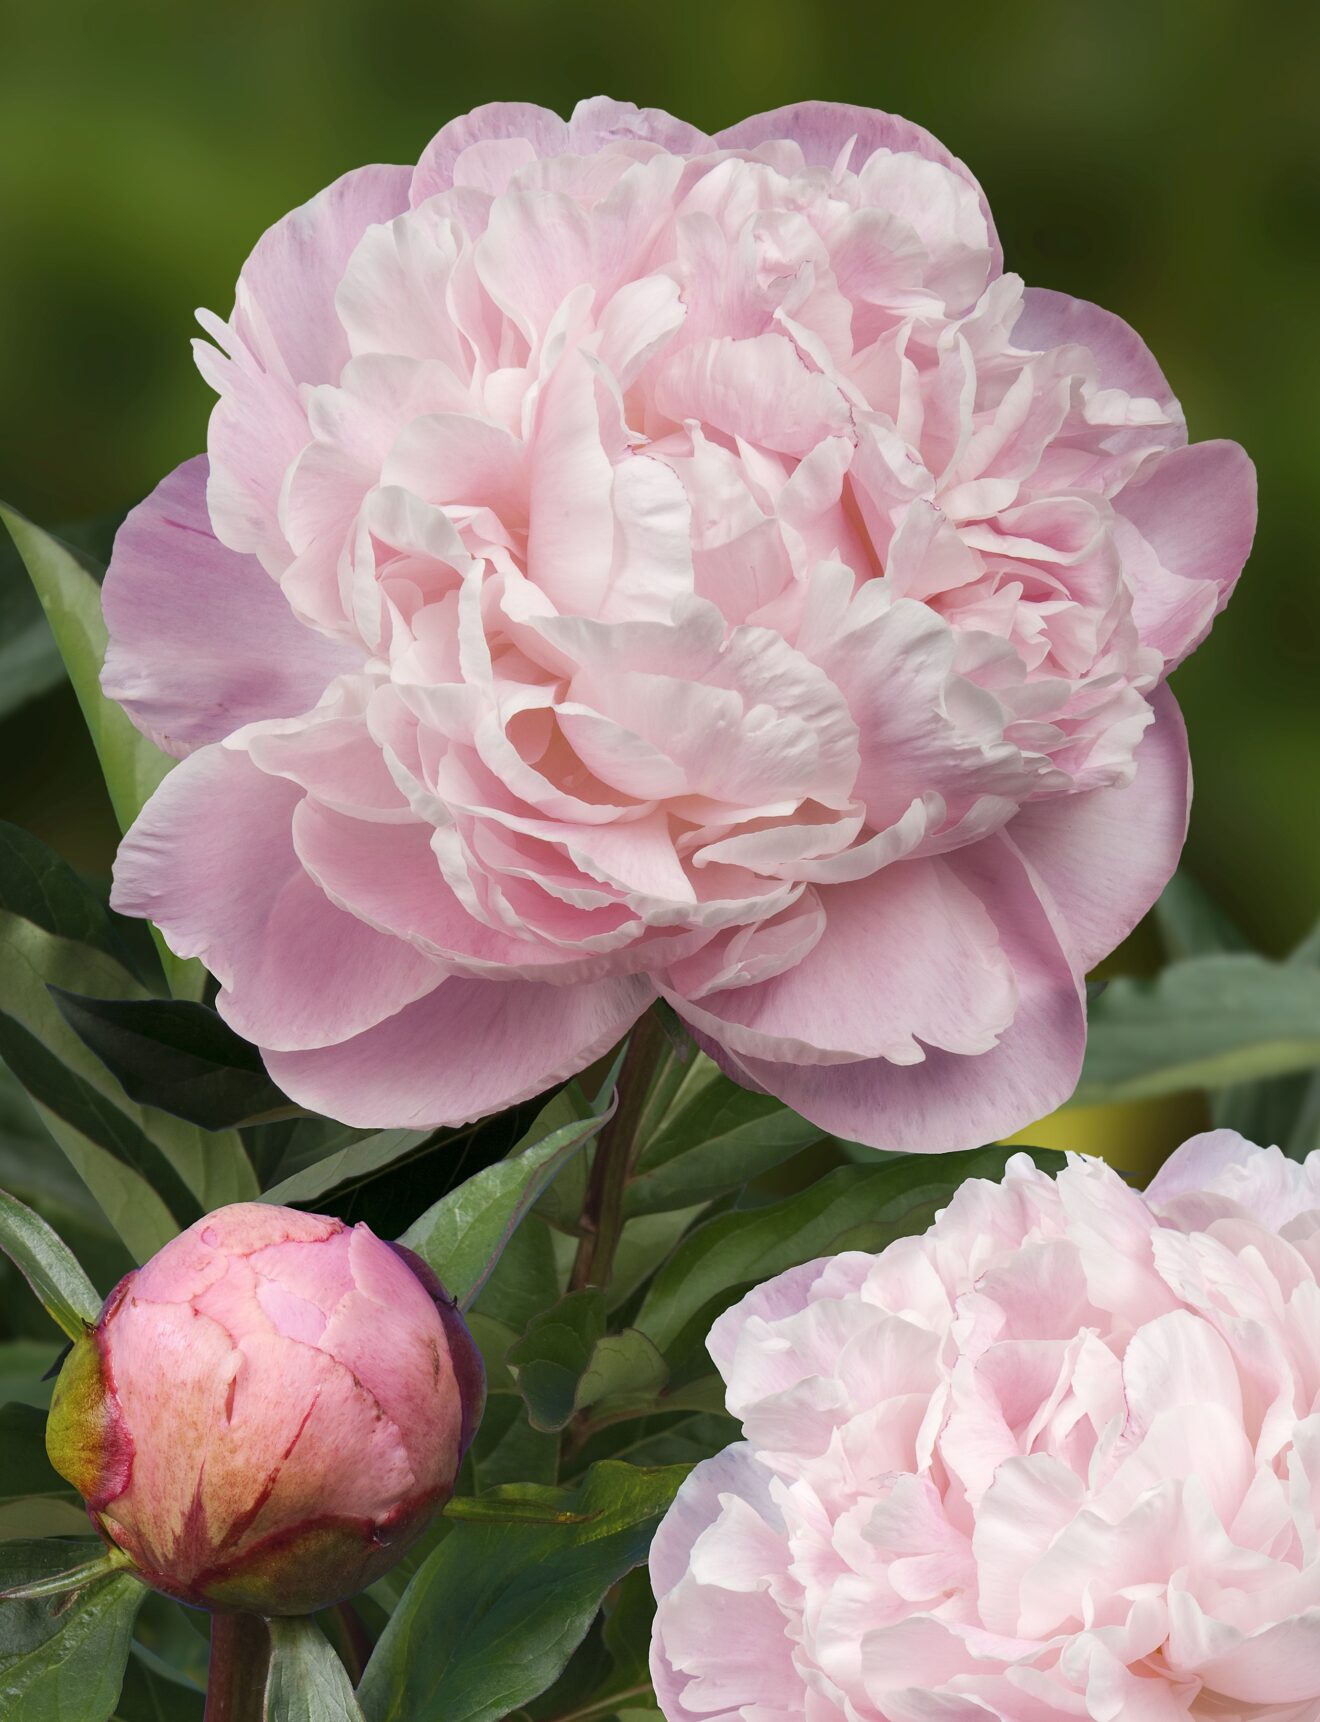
<point x="236" y="1679"/>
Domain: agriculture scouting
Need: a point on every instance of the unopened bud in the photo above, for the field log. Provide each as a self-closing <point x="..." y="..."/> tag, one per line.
<point x="268" y="1412"/>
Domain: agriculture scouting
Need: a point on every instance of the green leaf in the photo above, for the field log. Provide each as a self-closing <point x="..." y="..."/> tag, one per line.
<point x="394" y="1183"/>
<point x="527" y="1277"/>
<point x="464" y="1234"/>
<point x="25" y="1365"/>
<point x="33" y="1170"/>
<point x="27" y="1470"/>
<point x="131" y="765"/>
<point x="549" y="1360"/>
<point x="1283" y="1110"/>
<point x="48" y="1266"/>
<point x="507" y="1449"/>
<point x="307" y="1681"/>
<point x="1192" y="924"/>
<point x="30" y="663"/>
<point x="176" y="1055"/>
<point x="351" y="1163"/>
<point x="710" y="1137"/>
<point x="154" y="1692"/>
<point x="644" y="1244"/>
<point x="90" y="1115"/>
<point x="212" y="1164"/>
<point x="493" y="1616"/>
<point x="1203" y="1023"/>
<point x="35" y="1501"/>
<point x="62" y="1659"/>
<point x="854" y="1207"/>
<point x="40" y="886"/>
<point x="624" y="1368"/>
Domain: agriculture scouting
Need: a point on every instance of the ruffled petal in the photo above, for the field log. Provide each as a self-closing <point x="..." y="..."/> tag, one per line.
<point x="1185" y="526"/>
<point x="1106" y="855"/>
<point x="949" y="1100"/>
<point x="824" y="129"/>
<point x="202" y="640"/>
<point x="467" y="1048"/>
<point x="211" y="861"/>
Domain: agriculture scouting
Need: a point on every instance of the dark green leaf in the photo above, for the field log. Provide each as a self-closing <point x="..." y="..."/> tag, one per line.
<point x="390" y="1198"/>
<point x="131" y="765"/>
<point x="1203" y="1023"/>
<point x="30" y="662"/>
<point x="493" y="1616"/>
<point x="306" y="1682"/>
<point x="628" y="1621"/>
<point x="39" y="885"/>
<point x="62" y="1659"/>
<point x="549" y="1360"/>
<point x="211" y="1163"/>
<point x="33" y="1170"/>
<point x="176" y="1055"/>
<point x="153" y="1692"/>
<point x="48" y="1266"/>
<point x="711" y="1137"/>
<point x="25" y="1366"/>
<point x="79" y="1105"/>
<point x="353" y="1163"/>
<point x="508" y="1450"/>
<point x="464" y="1234"/>
<point x="35" y="1501"/>
<point x="27" y="1470"/>
<point x="527" y="1277"/>
<point x="854" y="1207"/>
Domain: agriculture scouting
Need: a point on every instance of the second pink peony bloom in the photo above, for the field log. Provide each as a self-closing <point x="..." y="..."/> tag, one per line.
<point x="629" y="563"/>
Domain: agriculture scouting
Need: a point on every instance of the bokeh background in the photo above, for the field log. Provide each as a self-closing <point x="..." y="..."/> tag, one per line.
<point x="1159" y="156"/>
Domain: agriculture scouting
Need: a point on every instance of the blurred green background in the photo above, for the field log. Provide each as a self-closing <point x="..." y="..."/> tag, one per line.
<point x="1160" y="158"/>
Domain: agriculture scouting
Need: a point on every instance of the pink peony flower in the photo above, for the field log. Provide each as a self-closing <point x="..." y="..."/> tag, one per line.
<point x="1059" y="1457"/>
<point x="628" y="563"/>
<point x="268" y="1412"/>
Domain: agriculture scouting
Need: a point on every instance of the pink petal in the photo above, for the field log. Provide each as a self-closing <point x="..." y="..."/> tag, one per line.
<point x="202" y="640"/>
<point x="544" y="130"/>
<point x="467" y="1048"/>
<point x="211" y="862"/>
<point x="598" y="121"/>
<point x="298" y="263"/>
<point x="388" y="875"/>
<point x="1185" y="526"/>
<point x="823" y="129"/>
<point x="909" y="954"/>
<point x="1051" y="319"/>
<point x="759" y="388"/>
<point x="950" y="1100"/>
<point x="1106" y="855"/>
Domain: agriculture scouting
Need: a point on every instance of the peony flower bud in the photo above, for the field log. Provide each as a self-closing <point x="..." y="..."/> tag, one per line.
<point x="268" y="1412"/>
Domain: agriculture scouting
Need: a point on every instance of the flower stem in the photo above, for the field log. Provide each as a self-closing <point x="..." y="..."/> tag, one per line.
<point x="602" y="1213"/>
<point x="240" y="1658"/>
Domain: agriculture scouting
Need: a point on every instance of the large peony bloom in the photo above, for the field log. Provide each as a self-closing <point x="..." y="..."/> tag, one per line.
<point x="628" y="563"/>
<point x="1060" y="1457"/>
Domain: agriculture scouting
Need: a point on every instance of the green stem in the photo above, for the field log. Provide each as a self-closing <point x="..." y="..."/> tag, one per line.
<point x="72" y="1578"/>
<point x="240" y="1660"/>
<point x="607" y="1705"/>
<point x="602" y="1212"/>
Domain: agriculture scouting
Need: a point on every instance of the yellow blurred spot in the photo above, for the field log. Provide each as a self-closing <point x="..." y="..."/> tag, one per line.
<point x="1135" y="1137"/>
